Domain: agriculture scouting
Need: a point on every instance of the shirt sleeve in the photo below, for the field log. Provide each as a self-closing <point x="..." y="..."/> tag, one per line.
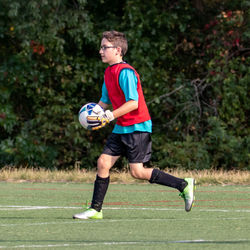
<point x="105" y="96"/>
<point x="128" y="83"/>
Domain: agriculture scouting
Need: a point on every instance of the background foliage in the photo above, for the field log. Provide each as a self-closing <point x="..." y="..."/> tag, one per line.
<point x="193" y="58"/>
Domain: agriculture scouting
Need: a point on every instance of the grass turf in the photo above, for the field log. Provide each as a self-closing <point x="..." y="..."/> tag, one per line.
<point x="136" y="216"/>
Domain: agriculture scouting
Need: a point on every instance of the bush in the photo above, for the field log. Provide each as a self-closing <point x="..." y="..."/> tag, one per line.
<point x="180" y="155"/>
<point x="227" y="151"/>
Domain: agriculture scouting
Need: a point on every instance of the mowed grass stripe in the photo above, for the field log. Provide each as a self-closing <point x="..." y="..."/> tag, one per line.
<point x="117" y="221"/>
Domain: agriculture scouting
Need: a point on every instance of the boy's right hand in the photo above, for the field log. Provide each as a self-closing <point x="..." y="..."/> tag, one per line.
<point x="97" y="122"/>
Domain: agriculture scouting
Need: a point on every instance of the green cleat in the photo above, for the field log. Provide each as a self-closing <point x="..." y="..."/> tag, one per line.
<point x="90" y="213"/>
<point x="188" y="193"/>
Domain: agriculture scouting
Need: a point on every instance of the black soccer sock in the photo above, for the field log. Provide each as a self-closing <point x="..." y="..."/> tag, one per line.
<point x="160" y="177"/>
<point x="100" y="189"/>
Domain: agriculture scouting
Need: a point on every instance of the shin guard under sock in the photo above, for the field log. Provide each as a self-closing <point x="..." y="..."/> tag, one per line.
<point x="160" y="177"/>
<point x="100" y="189"/>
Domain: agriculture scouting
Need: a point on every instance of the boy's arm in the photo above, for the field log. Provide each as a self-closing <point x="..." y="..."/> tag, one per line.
<point x="125" y="108"/>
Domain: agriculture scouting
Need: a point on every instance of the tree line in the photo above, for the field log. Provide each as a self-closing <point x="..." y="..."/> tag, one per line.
<point x="192" y="56"/>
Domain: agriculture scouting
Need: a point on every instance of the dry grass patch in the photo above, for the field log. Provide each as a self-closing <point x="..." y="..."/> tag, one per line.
<point x="203" y="177"/>
<point x="43" y="175"/>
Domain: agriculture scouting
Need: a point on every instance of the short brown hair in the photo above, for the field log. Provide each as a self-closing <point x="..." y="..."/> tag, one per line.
<point x="117" y="39"/>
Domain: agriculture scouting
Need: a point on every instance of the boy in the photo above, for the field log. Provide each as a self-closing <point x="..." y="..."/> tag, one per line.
<point x="131" y="135"/>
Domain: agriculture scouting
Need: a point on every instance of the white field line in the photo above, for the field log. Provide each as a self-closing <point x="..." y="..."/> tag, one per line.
<point x="125" y="243"/>
<point x="15" y="207"/>
<point x="11" y="207"/>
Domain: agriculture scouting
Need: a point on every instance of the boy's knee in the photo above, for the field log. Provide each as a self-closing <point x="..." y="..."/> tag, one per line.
<point x="140" y="172"/>
<point x="137" y="174"/>
<point x="101" y="163"/>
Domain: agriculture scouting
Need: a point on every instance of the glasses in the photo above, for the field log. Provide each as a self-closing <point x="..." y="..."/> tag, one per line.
<point x="106" y="47"/>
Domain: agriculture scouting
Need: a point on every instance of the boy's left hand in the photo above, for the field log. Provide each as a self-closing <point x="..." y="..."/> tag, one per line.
<point x="97" y="122"/>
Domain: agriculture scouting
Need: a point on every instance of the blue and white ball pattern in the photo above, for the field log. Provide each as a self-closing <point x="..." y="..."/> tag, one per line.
<point x="87" y="110"/>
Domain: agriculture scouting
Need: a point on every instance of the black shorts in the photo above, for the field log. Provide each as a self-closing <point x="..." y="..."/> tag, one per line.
<point x="136" y="147"/>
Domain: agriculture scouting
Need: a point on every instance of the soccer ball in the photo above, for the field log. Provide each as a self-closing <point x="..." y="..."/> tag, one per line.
<point x="87" y="110"/>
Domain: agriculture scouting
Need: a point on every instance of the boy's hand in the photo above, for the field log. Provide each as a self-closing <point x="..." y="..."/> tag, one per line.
<point x="97" y="122"/>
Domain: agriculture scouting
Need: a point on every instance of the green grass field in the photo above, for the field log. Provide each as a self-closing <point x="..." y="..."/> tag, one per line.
<point x="136" y="216"/>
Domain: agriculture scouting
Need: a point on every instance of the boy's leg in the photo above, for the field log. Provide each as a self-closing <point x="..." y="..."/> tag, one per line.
<point x="105" y="162"/>
<point x="100" y="189"/>
<point x="185" y="186"/>
<point x="156" y="176"/>
<point x="160" y="177"/>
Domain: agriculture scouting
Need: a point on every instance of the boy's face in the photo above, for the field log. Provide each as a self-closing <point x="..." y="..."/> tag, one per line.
<point x="109" y="53"/>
